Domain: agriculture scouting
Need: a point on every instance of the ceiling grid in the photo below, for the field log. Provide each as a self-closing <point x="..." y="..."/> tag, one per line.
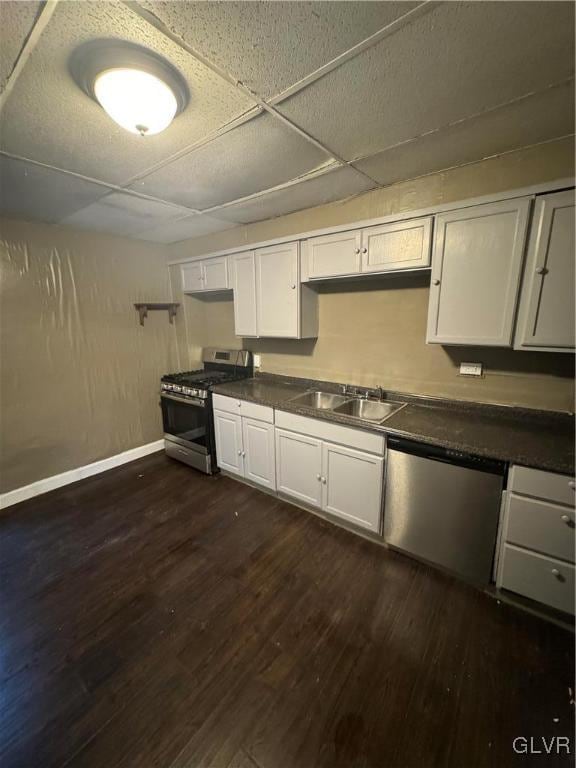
<point x="372" y="98"/>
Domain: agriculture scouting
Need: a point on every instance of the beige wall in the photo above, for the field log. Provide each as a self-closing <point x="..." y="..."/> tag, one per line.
<point x="373" y="333"/>
<point x="79" y="375"/>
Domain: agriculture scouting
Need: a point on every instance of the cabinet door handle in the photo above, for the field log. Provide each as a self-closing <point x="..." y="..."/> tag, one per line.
<point x="565" y="518"/>
<point x="324" y="481"/>
<point x="318" y="477"/>
<point x="436" y="281"/>
<point x="243" y="454"/>
<point x="555" y="572"/>
<point x="239" y="453"/>
<point x="364" y="250"/>
<point x="293" y="287"/>
<point x="239" y="403"/>
<point x="356" y="250"/>
<point x="541" y="271"/>
<point x="572" y="484"/>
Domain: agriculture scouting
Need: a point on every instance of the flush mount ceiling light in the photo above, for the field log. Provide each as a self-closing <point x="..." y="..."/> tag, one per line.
<point x="140" y="90"/>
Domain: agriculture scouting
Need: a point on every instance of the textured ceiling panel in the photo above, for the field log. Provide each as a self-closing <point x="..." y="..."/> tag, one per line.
<point x="255" y="156"/>
<point x="458" y="60"/>
<point x="544" y="116"/>
<point x="190" y="226"/>
<point x="33" y="192"/>
<point x="16" y="21"/>
<point x="335" y="185"/>
<point x="48" y="118"/>
<point x="271" y="45"/>
<point x="120" y="214"/>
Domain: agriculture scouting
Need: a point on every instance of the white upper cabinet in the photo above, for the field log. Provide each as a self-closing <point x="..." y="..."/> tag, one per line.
<point x="207" y="275"/>
<point x="334" y="255"/>
<point x="278" y="290"/>
<point x="476" y="268"/>
<point x="393" y="247"/>
<point x="243" y="268"/>
<point x="192" y="277"/>
<point x="399" y="246"/>
<point x="546" y="315"/>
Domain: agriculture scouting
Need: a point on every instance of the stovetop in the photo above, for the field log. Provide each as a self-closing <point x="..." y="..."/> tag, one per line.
<point x="198" y="383"/>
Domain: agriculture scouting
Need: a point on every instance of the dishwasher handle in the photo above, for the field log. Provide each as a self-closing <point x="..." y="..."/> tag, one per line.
<point x="447" y="455"/>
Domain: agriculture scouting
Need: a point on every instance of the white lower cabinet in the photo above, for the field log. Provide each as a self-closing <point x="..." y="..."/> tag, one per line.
<point x="258" y="452"/>
<point x="537" y="542"/>
<point x="245" y="447"/>
<point x="352" y="485"/>
<point x="339" y="480"/>
<point x="228" y="433"/>
<point x="299" y="466"/>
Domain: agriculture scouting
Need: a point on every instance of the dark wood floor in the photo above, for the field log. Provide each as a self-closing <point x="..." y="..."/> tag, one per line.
<point x="152" y="616"/>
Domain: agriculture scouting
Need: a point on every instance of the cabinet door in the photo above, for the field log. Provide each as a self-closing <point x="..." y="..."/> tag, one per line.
<point x="215" y="274"/>
<point x="333" y="255"/>
<point x="244" y="285"/>
<point x="298" y="466"/>
<point x="476" y="265"/>
<point x="259" y="452"/>
<point x="192" y="280"/>
<point x="397" y="246"/>
<point x="278" y="291"/>
<point x="546" y="315"/>
<point x="352" y="485"/>
<point x="228" y="432"/>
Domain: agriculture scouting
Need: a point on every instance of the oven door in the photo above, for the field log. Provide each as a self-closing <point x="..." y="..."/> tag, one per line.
<point x="187" y="421"/>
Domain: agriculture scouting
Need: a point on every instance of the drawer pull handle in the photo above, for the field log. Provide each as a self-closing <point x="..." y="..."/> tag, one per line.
<point x="572" y="484"/>
<point x="556" y="573"/>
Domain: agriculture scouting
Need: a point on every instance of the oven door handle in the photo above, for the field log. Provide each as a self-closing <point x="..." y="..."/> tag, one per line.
<point x="185" y="400"/>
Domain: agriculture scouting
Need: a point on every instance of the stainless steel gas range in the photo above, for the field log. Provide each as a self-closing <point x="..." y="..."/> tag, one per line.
<point x="186" y="401"/>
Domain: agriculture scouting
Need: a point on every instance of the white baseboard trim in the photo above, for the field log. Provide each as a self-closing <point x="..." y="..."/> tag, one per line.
<point x="65" y="478"/>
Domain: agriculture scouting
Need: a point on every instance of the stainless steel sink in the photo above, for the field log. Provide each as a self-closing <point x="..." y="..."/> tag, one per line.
<point x="368" y="410"/>
<point x="324" y="401"/>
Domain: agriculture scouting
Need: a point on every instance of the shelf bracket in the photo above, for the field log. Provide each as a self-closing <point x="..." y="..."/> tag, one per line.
<point x="144" y="307"/>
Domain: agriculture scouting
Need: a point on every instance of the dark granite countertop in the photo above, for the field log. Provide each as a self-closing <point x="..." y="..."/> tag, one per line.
<point x="529" y="437"/>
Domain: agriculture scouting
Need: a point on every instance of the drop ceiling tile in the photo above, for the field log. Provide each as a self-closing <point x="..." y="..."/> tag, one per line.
<point x="48" y="118"/>
<point x="183" y="229"/>
<point x="120" y="214"/>
<point x="257" y="42"/>
<point x="16" y="21"/>
<point x="326" y="188"/>
<point x="453" y="62"/>
<point x="257" y="155"/>
<point x="546" y="115"/>
<point x="34" y="192"/>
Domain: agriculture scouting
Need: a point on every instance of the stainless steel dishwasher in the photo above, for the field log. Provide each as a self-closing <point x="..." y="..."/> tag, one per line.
<point x="443" y="506"/>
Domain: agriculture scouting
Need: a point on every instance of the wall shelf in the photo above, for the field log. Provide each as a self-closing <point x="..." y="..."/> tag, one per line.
<point x="146" y="306"/>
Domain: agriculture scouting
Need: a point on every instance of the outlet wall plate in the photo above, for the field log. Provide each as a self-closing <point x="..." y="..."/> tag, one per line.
<point x="471" y="369"/>
<point x="257" y="360"/>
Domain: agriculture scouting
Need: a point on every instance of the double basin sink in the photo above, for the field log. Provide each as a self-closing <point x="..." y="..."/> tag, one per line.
<point x="362" y="409"/>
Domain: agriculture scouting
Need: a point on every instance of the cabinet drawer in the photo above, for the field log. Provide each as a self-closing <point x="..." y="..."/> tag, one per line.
<point x="333" y="433"/>
<point x="540" y="525"/>
<point x="544" y="485"/>
<point x="243" y="408"/>
<point x="540" y="578"/>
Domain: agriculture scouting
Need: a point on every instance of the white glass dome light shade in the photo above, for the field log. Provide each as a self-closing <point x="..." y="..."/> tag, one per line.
<point x="137" y="100"/>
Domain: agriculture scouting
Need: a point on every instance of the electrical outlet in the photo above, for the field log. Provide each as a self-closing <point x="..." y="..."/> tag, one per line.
<point x="470" y="369"/>
<point x="257" y="361"/>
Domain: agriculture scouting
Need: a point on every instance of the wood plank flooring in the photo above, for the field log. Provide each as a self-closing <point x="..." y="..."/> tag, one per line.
<point x="153" y="616"/>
